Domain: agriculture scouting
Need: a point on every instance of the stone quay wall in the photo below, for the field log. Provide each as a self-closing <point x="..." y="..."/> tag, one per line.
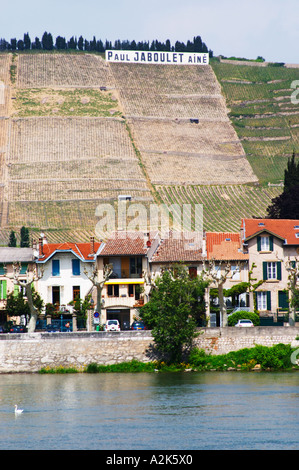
<point x="30" y="352"/>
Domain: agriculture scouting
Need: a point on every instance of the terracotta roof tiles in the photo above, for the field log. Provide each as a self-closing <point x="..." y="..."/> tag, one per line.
<point x="224" y="246"/>
<point x="286" y="229"/>
<point x="82" y="250"/>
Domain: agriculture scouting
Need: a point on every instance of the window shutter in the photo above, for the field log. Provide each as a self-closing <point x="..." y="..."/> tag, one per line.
<point x="278" y="264"/>
<point x="16" y="290"/>
<point x="3" y="290"/>
<point x="76" y="267"/>
<point x="24" y="267"/>
<point x="268" y="300"/>
<point x="258" y="243"/>
<point x="265" y="277"/>
<point x="55" y="267"/>
<point x="271" y="243"/>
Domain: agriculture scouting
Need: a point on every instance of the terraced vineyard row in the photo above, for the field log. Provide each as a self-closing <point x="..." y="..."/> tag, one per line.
<point x="62" y="70"/>
<point x="223" y="206"/>
<point x="169" y="92"/>
<point x="263" y="114"/>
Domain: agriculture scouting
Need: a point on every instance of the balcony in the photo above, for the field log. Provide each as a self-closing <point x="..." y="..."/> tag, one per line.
<point x="125" y="274"/>
<point x="124" y="301"/>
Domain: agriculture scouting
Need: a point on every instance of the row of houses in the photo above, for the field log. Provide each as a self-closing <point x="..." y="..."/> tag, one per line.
<point x="262" y="252"/>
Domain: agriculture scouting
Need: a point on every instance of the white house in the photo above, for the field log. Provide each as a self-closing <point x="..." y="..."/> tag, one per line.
<point x="63" y="266"/>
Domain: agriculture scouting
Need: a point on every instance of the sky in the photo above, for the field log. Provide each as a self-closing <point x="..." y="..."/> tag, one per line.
<point x="241" y="28"/>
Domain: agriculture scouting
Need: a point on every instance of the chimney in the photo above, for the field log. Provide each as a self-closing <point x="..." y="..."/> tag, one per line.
<point x="41" y="247"/>
<point x="92" y="252"/>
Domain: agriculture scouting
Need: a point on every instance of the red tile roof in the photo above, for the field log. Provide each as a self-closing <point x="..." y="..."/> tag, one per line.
<point x="125" y="243"/>
<point x="182" y="249"/>
<point x="224" y="246"/>
<point x="282" y="228"/>
<point x="82" y="250"/>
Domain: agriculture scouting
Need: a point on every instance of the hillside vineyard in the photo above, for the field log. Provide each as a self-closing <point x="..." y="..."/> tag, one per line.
<point x="77" y="131"/>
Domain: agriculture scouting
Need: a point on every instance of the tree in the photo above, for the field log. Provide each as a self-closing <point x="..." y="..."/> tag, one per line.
<point x="12" y="239"/>
<point x="235" y="291"/>
<point x="81" y="43"/>
<point x="25" y="242"/>
<point x="171" y="311"/>
<point x="72" y="43"/>
<point x="47" y="41"/>
<point x="99" y="284"/>
<point x="286" y="206"/>
<point x="293" y="272"/>
<point x="217" y="276"/>
<point x="27" y="41"/>
<point x="34" y="301"/>
<point x="21" y="45"/>
<point x="13" y="44"/>
<point x="60" y="43"/>
<point x="37" y="44"/>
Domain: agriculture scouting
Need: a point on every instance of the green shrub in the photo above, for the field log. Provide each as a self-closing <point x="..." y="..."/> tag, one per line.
<point x="234" y="317"/>
<point x="276" y="358"/>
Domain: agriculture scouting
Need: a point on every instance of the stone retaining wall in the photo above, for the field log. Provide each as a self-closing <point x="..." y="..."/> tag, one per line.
<point x="30" y="352"/>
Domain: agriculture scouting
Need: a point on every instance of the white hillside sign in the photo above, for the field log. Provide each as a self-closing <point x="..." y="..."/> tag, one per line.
<point x="161" y="57"/>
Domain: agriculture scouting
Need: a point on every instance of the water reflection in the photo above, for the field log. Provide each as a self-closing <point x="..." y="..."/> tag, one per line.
<point x="150" y="411"/>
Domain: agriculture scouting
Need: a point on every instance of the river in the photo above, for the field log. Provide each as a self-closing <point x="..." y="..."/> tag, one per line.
<point x="194" y="411"/>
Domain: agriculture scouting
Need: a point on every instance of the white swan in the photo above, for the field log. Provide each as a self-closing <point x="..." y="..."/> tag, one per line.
<point x="18" y="411"/>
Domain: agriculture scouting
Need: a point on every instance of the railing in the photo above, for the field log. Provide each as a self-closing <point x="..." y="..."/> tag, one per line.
<point x="125" y="274"/>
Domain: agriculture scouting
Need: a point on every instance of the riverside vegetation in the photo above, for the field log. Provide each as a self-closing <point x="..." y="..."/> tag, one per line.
<point x="263" y="358"/>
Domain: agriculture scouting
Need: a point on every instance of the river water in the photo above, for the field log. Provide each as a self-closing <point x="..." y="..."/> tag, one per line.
<point x="158" y="411"/>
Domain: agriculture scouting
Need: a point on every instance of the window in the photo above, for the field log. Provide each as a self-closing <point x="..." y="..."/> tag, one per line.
<point x="76" y="267"/>
<point x="113" y="290"/>
<point x="193" y="272"/>
<point x="56" y="296"/>
<point x="272" y="270"/>
<point x="134" y="291"/>
<point x="265" y="243"/>
<point x="135" y="266"/>
<point x="235" y="273"/>
<point x="263" y="300"/>
<point x="55" y="267"/>
<point x="76" y="292"/>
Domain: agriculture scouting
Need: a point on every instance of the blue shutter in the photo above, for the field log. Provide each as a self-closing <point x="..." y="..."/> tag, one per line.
<point x="24" y="267"/>
<point x="76" y="267"/>
<point x="55" y="267"/>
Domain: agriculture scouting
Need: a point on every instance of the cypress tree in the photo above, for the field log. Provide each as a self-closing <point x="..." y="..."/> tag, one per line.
<point x="25" y="242"/>
<point x="12" y="239"/>
<point x="286" y="206"/>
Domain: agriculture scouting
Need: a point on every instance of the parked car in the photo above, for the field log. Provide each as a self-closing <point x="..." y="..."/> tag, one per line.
<point x="52" y="328"/>
<point x="244" y="323"/>
<point x="138" y="325"/>
<point x="2" y="329"/>
<point x="112" y="325"/>
<point x="17" y="329"/>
